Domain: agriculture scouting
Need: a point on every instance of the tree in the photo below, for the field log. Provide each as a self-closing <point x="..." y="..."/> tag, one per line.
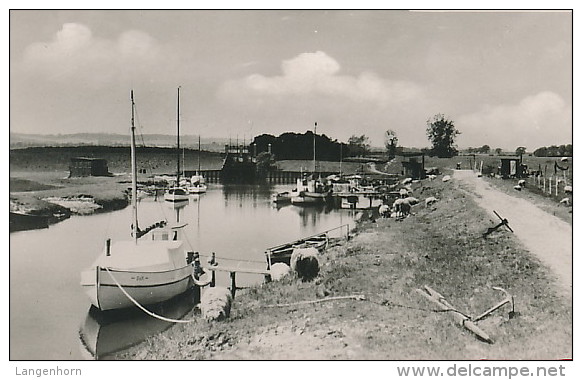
<point x="484" y="149"/>
<point x="442" y="133"/>
<point x="498" y="151"/>
<point x="359" y="145"/>
<point x="520" y="150"/>
<point x="265" y="161"/>
<point x="390" y="141"/>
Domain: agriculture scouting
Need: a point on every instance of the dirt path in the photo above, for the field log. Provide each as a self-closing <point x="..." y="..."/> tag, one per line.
<point x="544" y="235"/>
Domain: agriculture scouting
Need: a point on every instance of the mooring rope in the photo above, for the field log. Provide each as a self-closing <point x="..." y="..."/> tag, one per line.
<point x="148" y="312"/>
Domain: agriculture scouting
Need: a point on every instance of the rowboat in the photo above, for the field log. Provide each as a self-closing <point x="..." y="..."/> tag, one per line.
<point x="150" y="268"/>
<point x="282" y="253"/>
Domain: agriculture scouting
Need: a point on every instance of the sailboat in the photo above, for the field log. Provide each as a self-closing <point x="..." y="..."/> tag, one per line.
<point x="177" y="193"/>
<point x="197" y="183"/>
<point x="311" y="190"/>
<point x="150" y="268"/>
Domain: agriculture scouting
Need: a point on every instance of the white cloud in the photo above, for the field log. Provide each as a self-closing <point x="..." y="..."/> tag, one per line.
<point x="318" y="74"/>
<point x="75" y="53"/>
<point x="538" y="120"/>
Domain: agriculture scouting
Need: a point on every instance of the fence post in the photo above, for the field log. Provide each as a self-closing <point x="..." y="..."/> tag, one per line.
<point x="550" y="186"/>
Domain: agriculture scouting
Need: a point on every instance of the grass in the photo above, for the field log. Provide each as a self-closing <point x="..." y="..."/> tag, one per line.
<point x="440" y="246"/>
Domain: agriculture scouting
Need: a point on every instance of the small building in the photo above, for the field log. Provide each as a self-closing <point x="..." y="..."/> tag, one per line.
<point x="512" y="167"/>
<point x="86" y="166"/>
<point x="413" y="168"/>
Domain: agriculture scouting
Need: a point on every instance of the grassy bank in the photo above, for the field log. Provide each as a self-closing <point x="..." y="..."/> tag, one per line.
<point x="440" y="246"/>
<point x="29" y="191"/>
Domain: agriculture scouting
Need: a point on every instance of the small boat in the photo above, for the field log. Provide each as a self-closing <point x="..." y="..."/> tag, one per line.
<point x="22" y="221"/>
<point x="310" y="192"/>
<point x="282" y="253"/>
<point x="197" y="181"/>
<point x="176" y="194"/>
<point x="150" y="268"/>
<point x="197" y="188"/>
<point x="284" y="197"/>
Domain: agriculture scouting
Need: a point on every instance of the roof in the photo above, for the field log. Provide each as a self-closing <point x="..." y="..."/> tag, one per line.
<point x="87" y="159"/>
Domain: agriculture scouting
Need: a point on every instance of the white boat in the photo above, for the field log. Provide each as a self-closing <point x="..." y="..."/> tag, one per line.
<point x="178" y="192"/>
<point x="197" y="188"/>
<point x="150" y="268"/>
<point x="197" y="181"/>
<point x="310" y="192"/>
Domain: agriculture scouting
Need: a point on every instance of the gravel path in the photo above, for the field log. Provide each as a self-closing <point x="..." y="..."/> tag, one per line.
<point x="544" y="235"/>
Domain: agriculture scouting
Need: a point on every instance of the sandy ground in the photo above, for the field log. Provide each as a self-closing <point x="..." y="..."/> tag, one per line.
<point x="543" y="234"/>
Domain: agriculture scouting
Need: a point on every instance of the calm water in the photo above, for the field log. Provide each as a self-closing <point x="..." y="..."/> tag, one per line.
<point x="48" y="307"/>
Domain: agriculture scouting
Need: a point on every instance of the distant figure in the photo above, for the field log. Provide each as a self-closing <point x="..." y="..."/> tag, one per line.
<point x="458" y="166"/>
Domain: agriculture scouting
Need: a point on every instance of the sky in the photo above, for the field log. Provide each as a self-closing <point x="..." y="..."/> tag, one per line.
<point x="504" y="78"/>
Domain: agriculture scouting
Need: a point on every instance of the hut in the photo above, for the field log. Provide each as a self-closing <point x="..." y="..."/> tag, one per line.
<point x="413" y="168"/>
<point x="86" y="166"/>
<point x="512" y="167"/>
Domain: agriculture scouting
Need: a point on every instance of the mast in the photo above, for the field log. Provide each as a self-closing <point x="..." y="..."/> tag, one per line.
<point x="178" y="138"/>
<point x="314" y="133"/>
<point x="133" y="173"/>
<point x="198" y="155"/>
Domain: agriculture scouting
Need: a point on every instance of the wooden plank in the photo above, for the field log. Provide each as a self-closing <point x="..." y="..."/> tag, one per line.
<point x="233" y="269"/>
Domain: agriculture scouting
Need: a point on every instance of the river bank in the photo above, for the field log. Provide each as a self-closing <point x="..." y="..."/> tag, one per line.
<point x="54" y="196"/>
<point x="381" y="267"/>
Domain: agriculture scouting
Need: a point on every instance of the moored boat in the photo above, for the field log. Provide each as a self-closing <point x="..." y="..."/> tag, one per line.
<point x="150" y="268"/>
<point x="282" y="253"/>
<point x="176" y="194"/>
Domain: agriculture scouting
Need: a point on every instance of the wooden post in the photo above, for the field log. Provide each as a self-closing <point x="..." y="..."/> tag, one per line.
<point x="550" y="186"/>
<point x="233" y="284"/>
<point x="213" y="278"/>
<point x="557" y="185"/>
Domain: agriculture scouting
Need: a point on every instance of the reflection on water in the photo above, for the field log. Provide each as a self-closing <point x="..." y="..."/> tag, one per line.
<point x="237" y="223"/>
<point x="103" y="334"/>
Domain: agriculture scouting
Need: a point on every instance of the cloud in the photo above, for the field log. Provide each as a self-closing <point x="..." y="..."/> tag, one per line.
<point x="538" y="120"/>
<point x="318" y="74"/>
<point x="75" y="53"/>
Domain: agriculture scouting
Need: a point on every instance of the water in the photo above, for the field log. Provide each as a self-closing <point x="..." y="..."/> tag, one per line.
<point x="48" y="306"/>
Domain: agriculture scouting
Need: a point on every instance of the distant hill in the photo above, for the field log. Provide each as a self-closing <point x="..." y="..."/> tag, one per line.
<point x="21" y="140"/>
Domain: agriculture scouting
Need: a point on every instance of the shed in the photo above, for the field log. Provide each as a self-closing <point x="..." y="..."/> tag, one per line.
<point x="512" y="167"/>
<point x="413" y="168"/>
<point x="86" y="166"/>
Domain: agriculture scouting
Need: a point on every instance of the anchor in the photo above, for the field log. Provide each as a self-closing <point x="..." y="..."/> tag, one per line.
<point x="463" y="319"/>
<point x="507" y="300"/>
<point x="504" y="222"/>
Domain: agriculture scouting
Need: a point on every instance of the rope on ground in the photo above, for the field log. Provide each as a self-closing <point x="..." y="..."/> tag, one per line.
<point x="358" y="297"/>
<point x="148" y="312"/>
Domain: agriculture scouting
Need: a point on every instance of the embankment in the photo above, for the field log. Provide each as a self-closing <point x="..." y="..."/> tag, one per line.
<point x="381" y="267"/>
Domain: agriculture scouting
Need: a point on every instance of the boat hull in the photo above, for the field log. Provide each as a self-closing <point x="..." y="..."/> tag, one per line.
<point x="175" y="198"/>
<point x="282" y="253"/>
<point x="197" y="189"/>
<point x="308" y="198"/>
<point x="146" y="288"/>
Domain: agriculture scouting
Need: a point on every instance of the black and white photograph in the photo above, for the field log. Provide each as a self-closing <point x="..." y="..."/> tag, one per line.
<point x="379" y="185"/>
